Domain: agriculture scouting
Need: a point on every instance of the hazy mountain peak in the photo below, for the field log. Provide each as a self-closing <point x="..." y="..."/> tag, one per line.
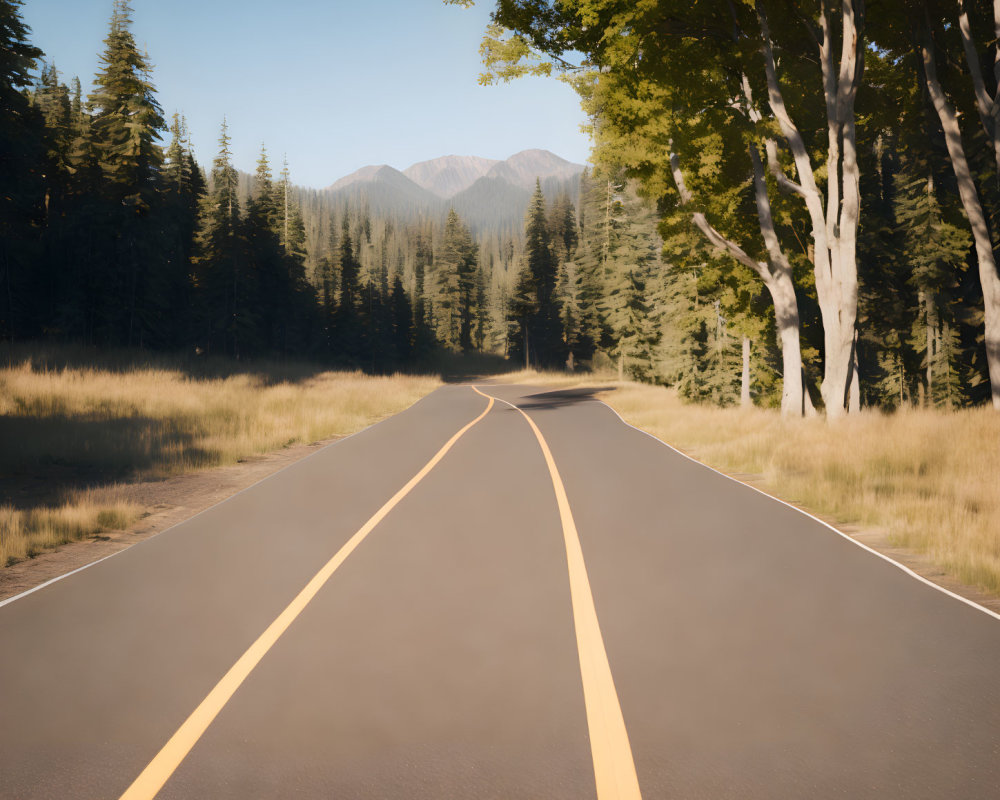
<point x="485" y="192"/>
<point x="363" y="175"/>
<point x="449" y="175"/>
<point x="522" y="169"/>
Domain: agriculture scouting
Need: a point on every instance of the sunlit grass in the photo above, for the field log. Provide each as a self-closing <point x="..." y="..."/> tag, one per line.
<point x="25" y="534"/>
<point x="556" y="378"/>
<point x="929" y="479"/>
<point x="95" y="425"/>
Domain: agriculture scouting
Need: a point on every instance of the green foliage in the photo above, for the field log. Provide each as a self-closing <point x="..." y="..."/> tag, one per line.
<point x="456" y="296"/>
<point x="535" y="311"/>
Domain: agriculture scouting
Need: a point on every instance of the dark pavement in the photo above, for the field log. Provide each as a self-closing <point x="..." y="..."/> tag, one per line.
<point x="756" y="653"/>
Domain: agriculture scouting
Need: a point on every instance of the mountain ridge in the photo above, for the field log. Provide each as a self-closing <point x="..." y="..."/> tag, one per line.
<point x="486" y="193"/>
<point x="447" y="176"/>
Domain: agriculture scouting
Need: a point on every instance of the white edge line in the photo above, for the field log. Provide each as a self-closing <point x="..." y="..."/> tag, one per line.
<point x="60" y="577"/>
<point x="325" y="447"/>
<point x="851" y="539"/>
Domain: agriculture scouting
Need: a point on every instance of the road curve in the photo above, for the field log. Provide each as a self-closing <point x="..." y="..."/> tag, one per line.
<point x="752" y="652"/>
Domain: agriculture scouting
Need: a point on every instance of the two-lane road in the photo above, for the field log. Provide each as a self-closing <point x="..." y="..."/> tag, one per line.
<point x="456" y="603"/>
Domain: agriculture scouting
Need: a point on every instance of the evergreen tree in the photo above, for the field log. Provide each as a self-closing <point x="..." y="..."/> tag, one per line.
<point x="423" y="335"/>
<point x="20" y="172"/>
<point x="182" y="189"/>
<point x="223" y="280"/>
<point x="347" y="335"/>
<point x="456" y="264"/>
<point x="935" y="251"/>
<point x="402" y="321"/>
<point x="126" y="126"/>
<point x="535" y="303"/>
<point x="273" y="300"/>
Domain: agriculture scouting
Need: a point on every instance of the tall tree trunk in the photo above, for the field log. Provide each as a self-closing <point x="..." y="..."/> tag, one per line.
<point x="776" y="274"/>
<point x="931" y="325"/>
<point x="988" y="275"/>
<point x="854" y="394"/>
<point x="745" y="401"/>
<point x="988" y="107"/>
<point x="835" y="227"/>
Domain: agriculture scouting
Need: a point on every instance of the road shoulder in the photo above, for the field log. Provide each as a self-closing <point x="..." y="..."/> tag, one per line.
<point x="169" y="502"/>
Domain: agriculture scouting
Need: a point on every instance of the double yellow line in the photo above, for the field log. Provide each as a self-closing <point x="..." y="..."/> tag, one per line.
<point x="614" y="770"/>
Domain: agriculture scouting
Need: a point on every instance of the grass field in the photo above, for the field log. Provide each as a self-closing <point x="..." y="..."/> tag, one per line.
<point x="929" y="479"/>
<point x="85" y="424"/>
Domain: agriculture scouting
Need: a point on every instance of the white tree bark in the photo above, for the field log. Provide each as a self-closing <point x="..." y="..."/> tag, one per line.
<point x="835" y="221"/>
<point x="745" y="401"/>
<point x="987" y="105"/>
<point x="777" y="276"/>
<point x="988" y="275"/>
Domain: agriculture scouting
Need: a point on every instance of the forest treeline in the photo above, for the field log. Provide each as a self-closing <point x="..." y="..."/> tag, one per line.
<point x="113" y="235"/>
<point x="709" y="249"/>
<point x="827" y="175"/>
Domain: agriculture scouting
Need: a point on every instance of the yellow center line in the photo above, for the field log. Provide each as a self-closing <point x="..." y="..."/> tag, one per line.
<point x="614" y="767"/>
<point x="166" y="762"/>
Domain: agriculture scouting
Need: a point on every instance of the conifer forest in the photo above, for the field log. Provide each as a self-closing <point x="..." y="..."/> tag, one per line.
<point x="791" y="204"/>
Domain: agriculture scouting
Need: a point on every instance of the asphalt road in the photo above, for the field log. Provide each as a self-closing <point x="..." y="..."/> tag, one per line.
<point x="447" y="652"/>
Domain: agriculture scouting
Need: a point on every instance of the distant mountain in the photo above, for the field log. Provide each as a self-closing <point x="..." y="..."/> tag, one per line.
<point x="488" y="194"/>
<point x="449" y="175"/>
<point x="491" y="203"/>
<point x="385" y="190"/>
<point x="523" y="168"/>
<point x="363" y="175"/>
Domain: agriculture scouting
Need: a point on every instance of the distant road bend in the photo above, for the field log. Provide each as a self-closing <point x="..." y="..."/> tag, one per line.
<point x="499" y="593"/>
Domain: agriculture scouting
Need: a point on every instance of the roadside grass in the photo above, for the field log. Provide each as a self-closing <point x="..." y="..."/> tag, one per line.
<point x="557" y="379"/>
<point x="25" y="534"/>
<point x="89" y="430"/>
<point x="928" y="479"/>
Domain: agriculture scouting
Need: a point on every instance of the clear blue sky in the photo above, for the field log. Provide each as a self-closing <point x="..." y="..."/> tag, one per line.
<point x="334" y="84"/>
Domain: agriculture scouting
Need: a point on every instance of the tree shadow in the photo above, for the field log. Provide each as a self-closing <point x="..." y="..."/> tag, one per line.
<point x="43" y="458"/>
<point x="52" y="357"/>
<point x="560" y="398"/>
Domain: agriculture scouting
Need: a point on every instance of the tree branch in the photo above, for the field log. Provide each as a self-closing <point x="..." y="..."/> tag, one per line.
<point x="714" y="237"/>
<point x="984" y="104"/>
<point x="777" y="102"/>
<point x="785" y="183"/>
<point x="765" y="217"/>
<point x="682" y="190"/>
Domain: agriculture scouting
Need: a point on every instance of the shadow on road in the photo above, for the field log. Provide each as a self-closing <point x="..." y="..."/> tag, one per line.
<point x="559" y="398"/>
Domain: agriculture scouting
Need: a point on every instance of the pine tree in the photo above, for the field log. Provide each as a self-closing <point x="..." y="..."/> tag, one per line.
<point x="534" y="307"/>
<point x="224" y="284"/>
<point x="935" y="251"/>
<point x="348" y="342"/>
<point x="21" y="158"/>
<point x="423" y="333"/>
<point x="456" y="264"/>
<point x="266" y="258"/>
<point x="128" y="119"/>
<point x="181" y="195"/>
<point x="127" y="125"/>
<point x="402" y="321"/>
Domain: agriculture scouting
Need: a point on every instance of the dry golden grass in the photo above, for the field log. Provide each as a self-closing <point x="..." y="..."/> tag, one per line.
<point x="556" y="379"/>
<point x="88" y="425"/>
<point x="928" y="479"/>
<point x="25" y="534"/>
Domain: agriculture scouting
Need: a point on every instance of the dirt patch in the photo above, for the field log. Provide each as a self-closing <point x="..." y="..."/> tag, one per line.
<point x="168" y="503"/>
